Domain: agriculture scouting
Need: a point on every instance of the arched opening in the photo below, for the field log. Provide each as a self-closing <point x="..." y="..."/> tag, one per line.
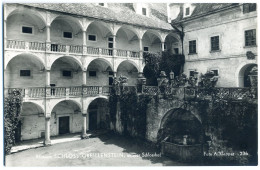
<point x="66" y="72"/>
<point x="66" y="118"/>
<point x="129" y="70"/>
<point x="66" y="30"/>
<point x="172" y="44"/>
<point x="244" y="78"/>
<point x="151" y="42"/>
<point x="127" y="39"/>
<point x="150" y="75"/>
<point x="31" y="124"/>
<point x="24" y="70"/>
<point x="178" y="123"/>
<point x="25" y="25"/>
<point x="99" y="73"/>
<point x="99" y="115"/>
<point x="100" y="35"/>
<point x="181" y="135"/>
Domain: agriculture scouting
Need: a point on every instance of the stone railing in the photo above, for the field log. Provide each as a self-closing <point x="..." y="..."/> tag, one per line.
<point x="186" y="93"/>
<point x="235" y="93"/>
<point x="74" y="49"/>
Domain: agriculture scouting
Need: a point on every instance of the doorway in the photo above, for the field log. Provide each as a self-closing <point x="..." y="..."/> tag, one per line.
<point x="64" y="125"/>
<point x="93" y="120"/>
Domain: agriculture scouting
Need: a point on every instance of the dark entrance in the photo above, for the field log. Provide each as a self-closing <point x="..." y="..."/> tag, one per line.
<point x="93" y="120"/>
<point x="64" y="125"/>
<point x="18" y="132"/>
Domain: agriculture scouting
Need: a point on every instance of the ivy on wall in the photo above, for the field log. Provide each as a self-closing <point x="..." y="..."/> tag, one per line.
<point x="12" y="112"/>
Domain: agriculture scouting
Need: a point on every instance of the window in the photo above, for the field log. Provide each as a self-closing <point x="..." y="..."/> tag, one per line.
<point x="215" y="72"/>
<point x="67" y="34"/>
<point x="187" y="11"/>
<point x="215" y="43"/>
<point x="144" y="11"/>
<point x="101" y="4"/>
<point x="146" y="49"/>
<point x="192" y="47"/>
<point x="165" y="47"/>
<point x="92" y="73"/>
<point x="25" y="73"/>
<point x="66" y="73"/>
<point x="176" y="50"/>
<point x="249" y="7"/>
<point x="192" y="73"/>
<point x="27" y="30"/>
<point x="250" y="37"/>
<point x="92" y="38"/>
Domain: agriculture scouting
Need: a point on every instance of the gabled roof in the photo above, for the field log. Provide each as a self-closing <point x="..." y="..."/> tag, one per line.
<point x="202" y="9"/>
<point x="115" y="12"/>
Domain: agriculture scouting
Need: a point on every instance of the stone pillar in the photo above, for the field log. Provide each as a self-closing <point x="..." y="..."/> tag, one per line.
<point x="84" y="38"/>
<point x="140" y="48"/>
<point x="163" y="47"/>
<point x="48" y="78"/>
<point x="47" y="140"/>
<point x="5" y="35"/>
<point x="84" y="127"/>
<point x="84" y="77"/>
<point x="48" y="33"/>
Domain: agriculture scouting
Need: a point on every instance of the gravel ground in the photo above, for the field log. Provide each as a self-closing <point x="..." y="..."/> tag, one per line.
<point x="106" y="150"/>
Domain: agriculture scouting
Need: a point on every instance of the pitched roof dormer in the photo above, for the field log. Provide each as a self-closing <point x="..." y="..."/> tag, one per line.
<point x="142" y="9"/>
<point x="188" y="9"/>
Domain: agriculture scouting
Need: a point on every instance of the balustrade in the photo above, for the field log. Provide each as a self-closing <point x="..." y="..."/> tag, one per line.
<point x="185" y="93"/>
<point x="75" y="49"/>
<point x="38" y="46"/>
<point x="15" y="44"/>
<point x="93" y="50"/>
<point x="121" y="53"/>
<point x="58" y="48"/>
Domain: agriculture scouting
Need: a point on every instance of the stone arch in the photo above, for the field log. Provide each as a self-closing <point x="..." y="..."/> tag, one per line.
<point x="41" y="109"/>
<point x="56" y="102"/>
<point x="91" y="99"/>
<point x="241" y="70"/>
<point x="178" y="122"/>
<point x="172" y="110"/>
<point x="101" y="23"/>
<point x="78" y="61"/>
<point x="134" y="63"/>
<point x="173" y="35"/>
<point x="156" y="33"/>
<point x="66" y="17"/>
<point x="29" y="11"/>
<point x="32" y="56"/>
<point x="173" y="43"/>
<point x="131" y="29"/>
<point x="101" y="59"/>
<point x="98" y="114"/>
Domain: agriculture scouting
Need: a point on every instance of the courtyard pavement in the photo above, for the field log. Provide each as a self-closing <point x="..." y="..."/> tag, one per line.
<point x="105" y="150"/>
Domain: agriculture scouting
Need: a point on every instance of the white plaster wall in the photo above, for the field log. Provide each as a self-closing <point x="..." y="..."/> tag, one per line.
<point x="101" y="40"/>
<point x="12" y="77"/>
<point x="14" y="29"/>
<point x="60" y="26"/>
<point x="60" y="81"/>
<point x="122" y="42"/>
<point x="230" y="26"/>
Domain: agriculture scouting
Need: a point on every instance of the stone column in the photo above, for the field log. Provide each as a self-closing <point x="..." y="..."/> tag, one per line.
<point x="48" y="33"/>
<point x="140" y="48"/>
<point x="5" y="35"/>
<point x="84" y="77"/>
<point x="47" y="140"/>
<point x="84" y="126"/>
<point x="48" y="78"/>
<point x="163" y="47"/>
<point x="84" y="38"/>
